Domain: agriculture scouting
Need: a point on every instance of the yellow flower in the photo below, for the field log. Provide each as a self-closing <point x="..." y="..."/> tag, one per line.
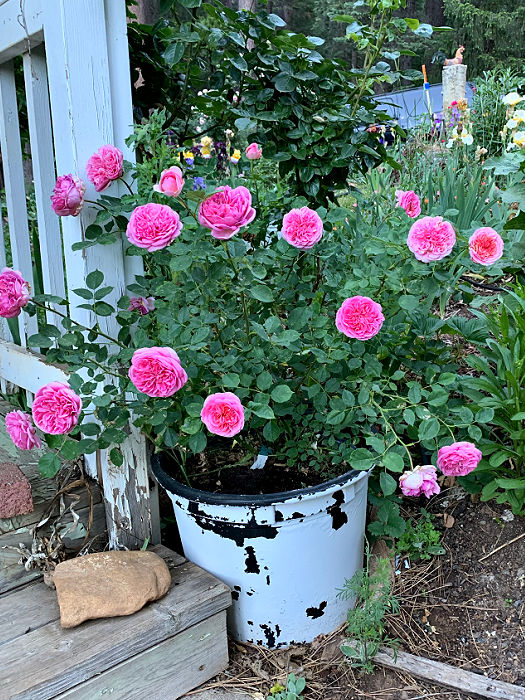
<point x="188" y="155"/>
<point x="205" y="153"/>
<point x="519" y="139"/>
<point x="277" y="688"/>
<point x="512" y="98"/>
<point x="235" y="156"/>
<point x="206" y="141"/>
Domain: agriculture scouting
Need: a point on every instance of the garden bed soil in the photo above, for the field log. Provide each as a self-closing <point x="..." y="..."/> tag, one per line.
<point x="455" y="609"/>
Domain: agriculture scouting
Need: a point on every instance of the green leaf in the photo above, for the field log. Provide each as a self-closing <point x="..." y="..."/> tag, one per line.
<point x="264" y="381"/>
<point x="84" y="293"/>
<point x="428" y="429"/>
<point x="94" y="279"/>
<point x="40" y="341"/>
<point x="409" y="302"/>
<point x="262" y="293"/>
<point x="48" y="465"/>
<point x="103" y="309"/>
<point x="516" y="193"/>
<point x="116" y="457"/>
<point x="238" y="62"/>
<point x="197" y="443"/>
<point x="285" y="83"/>
<point x="393" y="461"/>
<point x="262" y="410"/>
<point x="361" y="459"/>
<point x="231" y="380"/>
<point x="387" y="483"/>
<point x="511" y="483"/>
<point x="90" y="429"/>
<point x="173" y="54"/>
<point x="70" y="449"/>
<point x="281" y="393"/>
<point x="413" y="24"/>
<point x="486" y="415"/>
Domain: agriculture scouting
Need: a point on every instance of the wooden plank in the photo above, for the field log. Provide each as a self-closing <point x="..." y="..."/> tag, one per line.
<point x="167" y="670"/>
<point x="13" y="574"/>
<point x="96" y="646"/>
<point x="43" y="161"/>
<point x="36" y="604"/>
<point x="449" y="676"/>
<point x="83" y="114"/>
<point x="5" y="333"/>
<point x="26" y="368"/>
<point x="20" y="27"/>
<point x="15" y="192"/>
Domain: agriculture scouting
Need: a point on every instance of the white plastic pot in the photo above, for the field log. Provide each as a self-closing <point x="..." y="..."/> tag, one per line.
<point x="284" y="555"/>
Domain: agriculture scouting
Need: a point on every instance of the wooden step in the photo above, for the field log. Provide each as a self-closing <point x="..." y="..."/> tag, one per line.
<point x="159" y="653"/>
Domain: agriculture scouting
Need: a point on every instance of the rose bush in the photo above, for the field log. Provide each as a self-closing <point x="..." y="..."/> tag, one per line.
<point x="312" y="330"/>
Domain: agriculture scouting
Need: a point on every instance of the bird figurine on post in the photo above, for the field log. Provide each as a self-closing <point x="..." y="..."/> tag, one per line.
<point x="458" y="58"/>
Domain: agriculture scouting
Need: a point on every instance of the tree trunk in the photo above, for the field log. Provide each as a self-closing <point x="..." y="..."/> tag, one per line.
<point x="147" y="11"/>
<point x="247" y="5"/>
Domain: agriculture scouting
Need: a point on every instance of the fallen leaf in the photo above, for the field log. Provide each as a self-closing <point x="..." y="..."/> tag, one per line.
<point x="448" y="519"/>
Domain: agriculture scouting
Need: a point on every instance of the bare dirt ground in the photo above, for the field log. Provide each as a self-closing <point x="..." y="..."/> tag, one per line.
<point x="463" y="608"/>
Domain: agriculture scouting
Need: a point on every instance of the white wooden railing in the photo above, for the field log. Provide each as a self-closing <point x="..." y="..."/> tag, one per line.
<point x="78" y="95"/>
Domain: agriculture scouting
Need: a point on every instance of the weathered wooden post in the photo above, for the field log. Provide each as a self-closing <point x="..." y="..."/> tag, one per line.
<point x="454" y="79"/>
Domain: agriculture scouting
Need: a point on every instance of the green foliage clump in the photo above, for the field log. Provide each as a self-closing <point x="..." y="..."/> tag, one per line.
<point x="487" y="109"/>
<point x="366" y="621"/>
<point x="498" y="386"/>
<point x="420" y="540"/>
<point x="295" y="686"/>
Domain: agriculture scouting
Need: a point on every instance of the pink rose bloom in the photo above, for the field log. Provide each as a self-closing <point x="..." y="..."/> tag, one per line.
<point x="171" y="182"/>
<point x="409" y="201"/>
<point x="253" y="152"/>
<point x="21" y="430"/>
<point x="68" y="195"/>
<point x="153" y="226"/>
<point x="431" y="238"/>
<point x="421" y="480"/>
<point x="157" y="371"/>
<point x="458" y="459"/>
<point x="142" y="304"/>
<point x="359" y="317"/>
<point x="14" y="293"/>
<point x="485" y="246"/>
<point x="223" y="414"/>
<point x="302" y="228"/>
<point x="226" y="211"/>
<point x="56" y="408"/>
<point x="104" y="166"/>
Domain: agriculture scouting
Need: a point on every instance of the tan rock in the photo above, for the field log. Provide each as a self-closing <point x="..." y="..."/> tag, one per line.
<point x="107" y="584"/>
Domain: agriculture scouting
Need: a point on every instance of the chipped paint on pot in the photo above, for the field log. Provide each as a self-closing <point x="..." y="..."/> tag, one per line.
<point x="284" y="555"/>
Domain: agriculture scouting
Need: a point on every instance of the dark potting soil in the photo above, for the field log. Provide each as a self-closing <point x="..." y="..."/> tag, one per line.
<point x="223" y="469"/>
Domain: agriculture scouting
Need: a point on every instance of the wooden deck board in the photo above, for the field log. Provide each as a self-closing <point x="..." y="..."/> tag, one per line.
<point x="167" y="670"/>
<point x="62" y="659"/>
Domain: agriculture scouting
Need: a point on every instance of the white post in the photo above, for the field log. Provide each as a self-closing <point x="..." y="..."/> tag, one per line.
<point x="454" y="84"/>
<point x="86" y="115"/>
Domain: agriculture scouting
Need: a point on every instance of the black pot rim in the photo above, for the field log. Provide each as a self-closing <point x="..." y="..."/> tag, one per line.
<point x="256" y="499"/>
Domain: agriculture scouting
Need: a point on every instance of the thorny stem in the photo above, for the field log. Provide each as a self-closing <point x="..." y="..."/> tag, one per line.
<point x="243" y="296"/>
<point x="127" y="185"/>
<point x="79" y="325"/>
<point x="389" y="425"/>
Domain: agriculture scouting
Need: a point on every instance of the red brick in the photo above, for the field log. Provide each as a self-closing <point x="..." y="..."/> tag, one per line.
<point x="15" y="491"/>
